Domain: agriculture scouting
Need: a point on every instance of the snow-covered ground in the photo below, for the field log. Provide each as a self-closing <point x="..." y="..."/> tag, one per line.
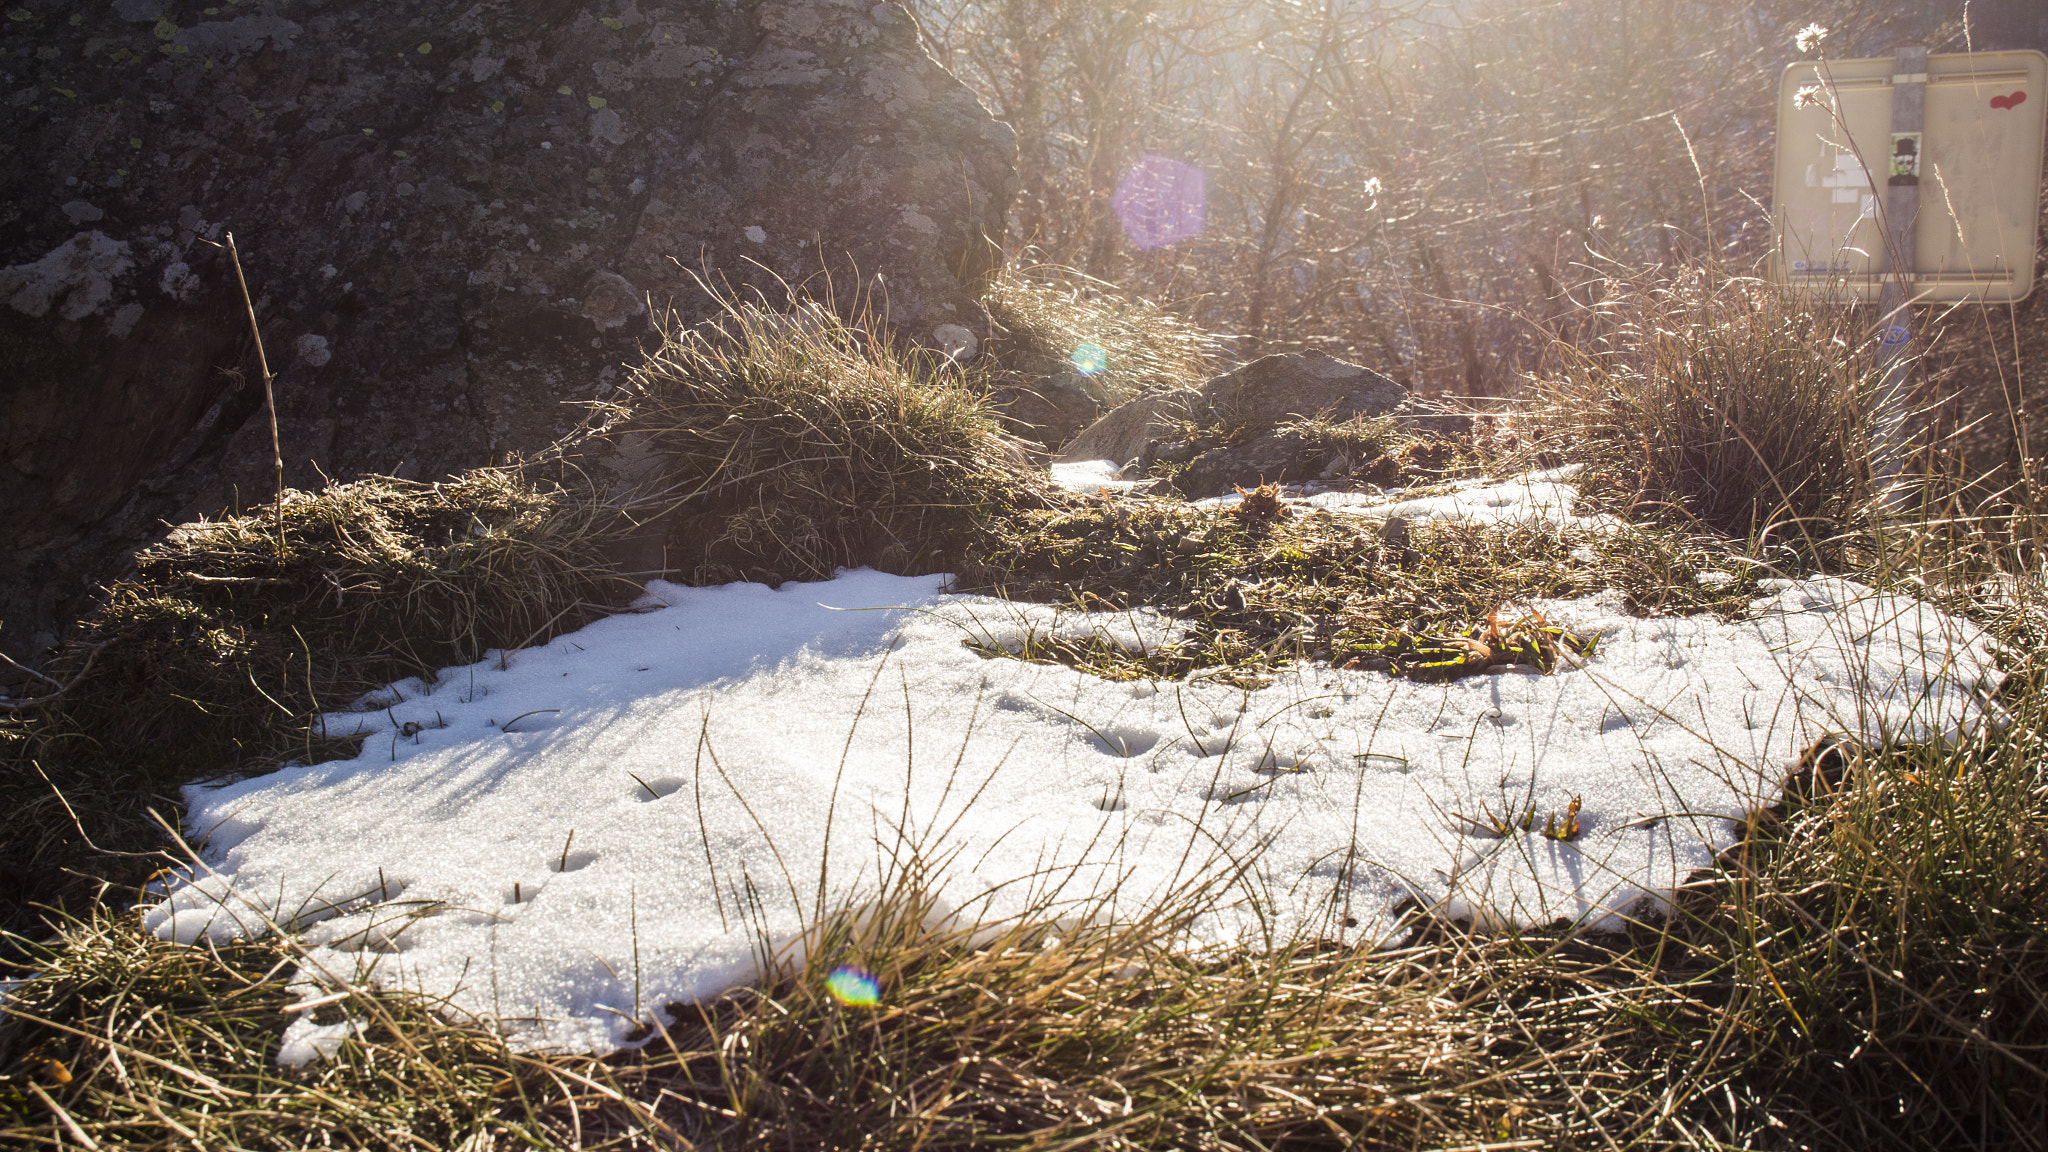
<point x="1546" y="496"/>
<point x="570" y="836"/>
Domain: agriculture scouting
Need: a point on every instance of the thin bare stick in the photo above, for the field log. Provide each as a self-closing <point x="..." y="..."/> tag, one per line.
<point x="16" y="707"/>
<point x="269" y="395"/>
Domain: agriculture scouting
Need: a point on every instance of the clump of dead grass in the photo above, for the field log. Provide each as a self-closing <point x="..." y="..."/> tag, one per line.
<point x="795" y="444"/>
<point x="1882" y="938"/>
<point x="1065" y="347"/>
<point x="221" y="649"/>
<point x="226" y="640"/>
<point x="1111" y="1036"/>
<point x="122" y="1040"/>
<point x="1717" y="401"/>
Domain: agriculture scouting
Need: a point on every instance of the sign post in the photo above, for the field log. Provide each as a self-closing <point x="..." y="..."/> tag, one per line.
<point x="1895" y="296"/>
<point x="1905" y="180"/>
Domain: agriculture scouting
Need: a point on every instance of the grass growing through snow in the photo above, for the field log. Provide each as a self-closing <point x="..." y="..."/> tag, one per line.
<point x="1316" y="585"/>
<point x="1867" y="969"/>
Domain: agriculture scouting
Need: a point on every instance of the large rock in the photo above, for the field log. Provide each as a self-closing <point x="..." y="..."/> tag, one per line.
<point x="1300" y="386"/>
<point x="1248" y="402"/>
<point x="452" y="214"/>
<point x="1125" y="432"/>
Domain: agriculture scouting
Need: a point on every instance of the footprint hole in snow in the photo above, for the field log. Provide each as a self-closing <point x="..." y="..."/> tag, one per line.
<point x="1239" y="790"/>
<point x="381" y="939"/>
<point x="1271" y="761"/>
<point x="382" y="929"/>
<point x="522" y="891"/>
<point x="1125" y="742"/>
<point x="571" y="861"/>
<point x="649" y="789"/>
<point x="1111" y="802"/>
<point x="1381" y="762"/>
<point x="322" y="907"/>
<point x="1614" y="722"/>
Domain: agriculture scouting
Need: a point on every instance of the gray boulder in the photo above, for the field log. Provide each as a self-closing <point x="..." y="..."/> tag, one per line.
<point x="454" y="216"/>
<point x="1125" y="432"/>
<point x="1298" y="386"/>
<point x="1248" y="404"/>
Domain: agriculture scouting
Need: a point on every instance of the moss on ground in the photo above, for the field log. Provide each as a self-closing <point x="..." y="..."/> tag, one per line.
<point x="1318" y="585"/>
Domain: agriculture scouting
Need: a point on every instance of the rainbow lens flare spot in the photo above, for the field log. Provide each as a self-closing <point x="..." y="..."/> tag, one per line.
<point x="855" y="986"/>
<point x="1088" y="358"/>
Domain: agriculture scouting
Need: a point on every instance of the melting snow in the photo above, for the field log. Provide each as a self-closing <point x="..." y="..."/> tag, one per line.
<point x="567" y="837"/>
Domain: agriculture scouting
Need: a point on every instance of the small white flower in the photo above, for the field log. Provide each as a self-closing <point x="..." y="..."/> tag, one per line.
<point x="1808" y="94"/>
<point x="1809" y="37"/>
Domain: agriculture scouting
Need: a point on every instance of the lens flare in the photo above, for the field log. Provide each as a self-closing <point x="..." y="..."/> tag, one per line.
<point x="1089" y="358"/>
<point x="850" y="984"/>
<point x="1161" y="201"/>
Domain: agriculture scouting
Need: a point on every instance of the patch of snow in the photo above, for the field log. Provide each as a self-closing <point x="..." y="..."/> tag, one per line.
<point x="179" y="282"/>
<point x="305" y="1042"/>
<point x="1090" y="476"/>
<point x="568" y="837"/>
<point x="124" y="320"/>
<point x="957" y="341"/>
<point x="1538" y="497"/>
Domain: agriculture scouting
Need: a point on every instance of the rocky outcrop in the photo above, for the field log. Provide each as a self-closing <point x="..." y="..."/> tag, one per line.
<point x="453" y="214"/>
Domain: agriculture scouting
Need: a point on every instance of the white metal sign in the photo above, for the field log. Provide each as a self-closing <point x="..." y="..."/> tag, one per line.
<point x="1976" y="160"/>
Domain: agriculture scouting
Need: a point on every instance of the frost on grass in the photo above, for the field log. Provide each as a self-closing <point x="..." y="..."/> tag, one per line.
<point x="567" y="838"/>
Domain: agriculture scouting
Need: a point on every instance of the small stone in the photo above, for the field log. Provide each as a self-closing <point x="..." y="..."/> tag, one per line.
<point x="957" y="341"/>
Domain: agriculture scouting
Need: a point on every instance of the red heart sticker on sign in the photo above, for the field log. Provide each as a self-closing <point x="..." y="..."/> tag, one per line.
<point x="2012" y="101"/>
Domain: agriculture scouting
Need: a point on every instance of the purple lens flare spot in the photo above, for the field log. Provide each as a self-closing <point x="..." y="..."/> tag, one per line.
<point x="1161" y="201"/>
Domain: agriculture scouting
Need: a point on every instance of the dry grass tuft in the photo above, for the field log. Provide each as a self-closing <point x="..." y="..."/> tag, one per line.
<point x="1719" y="402"/>
<point x="220" y="651"/>
<point x="795" y="444"/>
<point x="1066" y="347"/>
